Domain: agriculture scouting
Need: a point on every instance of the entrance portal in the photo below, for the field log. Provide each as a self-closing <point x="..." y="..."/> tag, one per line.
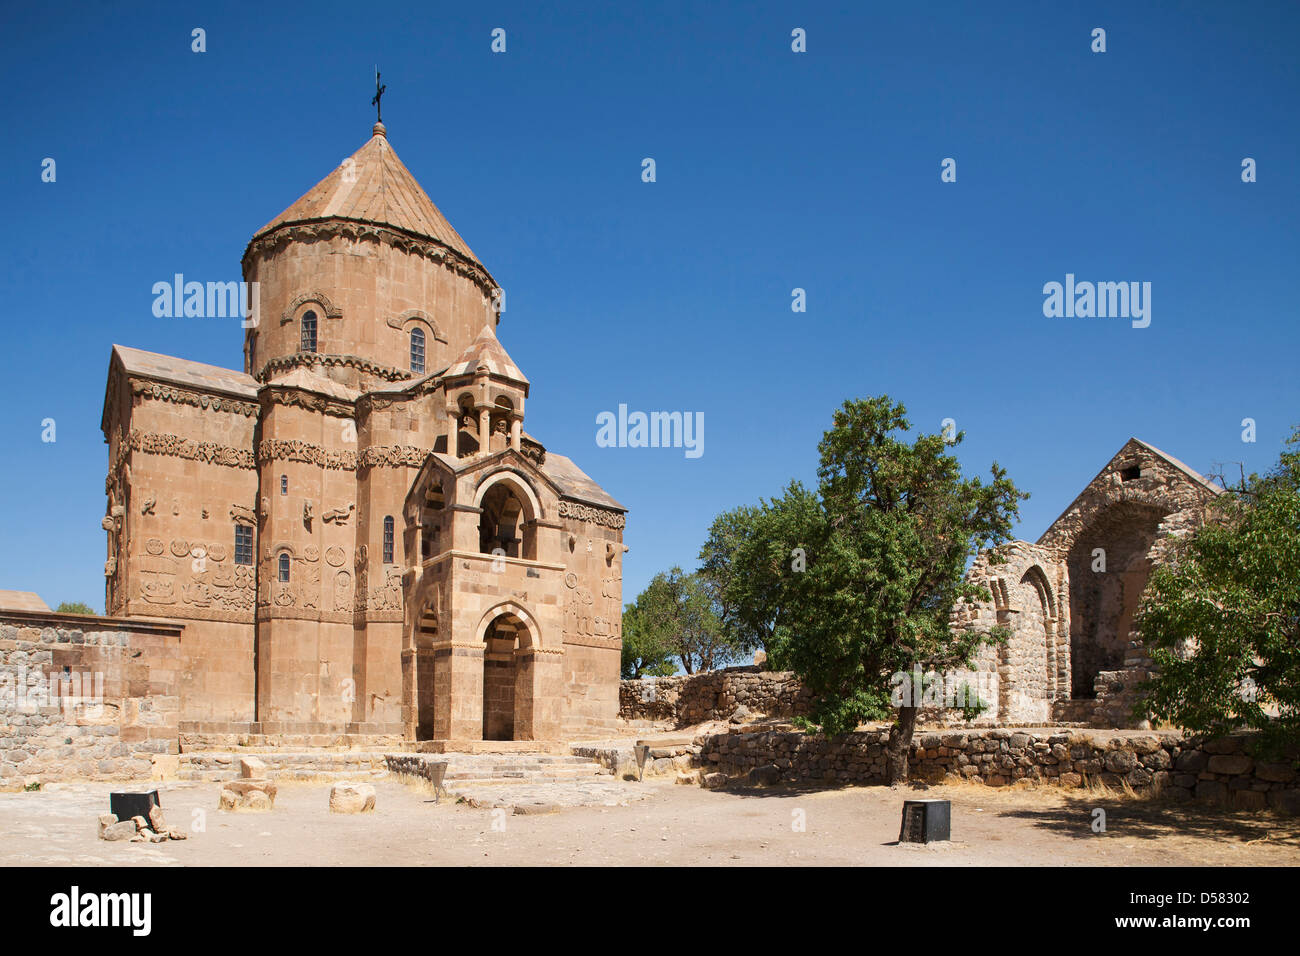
<point x="500" y="673"/>
<point x="1103" y="602"/>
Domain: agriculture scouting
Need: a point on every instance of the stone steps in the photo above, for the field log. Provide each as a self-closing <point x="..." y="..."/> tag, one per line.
<point x="281" y="765"/>
<point x="480" y="771"/>
<point x="191" y="742"/>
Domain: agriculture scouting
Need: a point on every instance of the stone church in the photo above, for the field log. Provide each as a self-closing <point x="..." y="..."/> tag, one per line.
<point x="355" y="530"/>
<point x="1069" y="599"/>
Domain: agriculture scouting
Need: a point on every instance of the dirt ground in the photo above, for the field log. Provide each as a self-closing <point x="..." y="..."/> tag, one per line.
<point x="676" y="826"/>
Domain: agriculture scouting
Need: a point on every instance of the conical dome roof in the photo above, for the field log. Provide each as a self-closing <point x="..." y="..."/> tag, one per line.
<point x="487" y="354"/>
<point x="373" y="186"/>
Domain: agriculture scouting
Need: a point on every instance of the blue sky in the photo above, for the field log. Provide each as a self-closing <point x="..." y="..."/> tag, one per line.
<point x="775" y="170"/>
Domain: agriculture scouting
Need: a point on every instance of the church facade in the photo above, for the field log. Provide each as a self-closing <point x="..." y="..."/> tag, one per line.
<point x="355" y="529"/>
<point x="1069" y="601"/>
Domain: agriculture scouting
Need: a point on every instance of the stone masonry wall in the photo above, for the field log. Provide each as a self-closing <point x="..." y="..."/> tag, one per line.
<point x="688" y="699"/>
<point x="1219" y="770"/>
<point x="85" y="698"/>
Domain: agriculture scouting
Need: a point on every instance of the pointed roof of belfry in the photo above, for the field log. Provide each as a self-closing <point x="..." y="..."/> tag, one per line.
<point x="485" y="353"/>
<point x="373" y="186"/>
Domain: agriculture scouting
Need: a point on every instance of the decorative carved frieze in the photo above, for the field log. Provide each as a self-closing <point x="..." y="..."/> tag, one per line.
<point x="299" y="398"/>
<point x="314" y="360"/>
<point x="600" y="516"/>
<point x="178" y="446"/>
<point x="393" y="456"/>
<point x="275" y="449"/>
<point x="180" y="396"/>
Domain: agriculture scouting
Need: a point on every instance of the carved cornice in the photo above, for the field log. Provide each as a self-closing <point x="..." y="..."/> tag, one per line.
<point x="178" y="446"/>
<point x="393" y="456"/>
<point x="300" y="398"/>
<point x="283" y="449"/>
<point x="314" y="360"/>
<point x="377" y="617"/>
<point x="589" y="513"/>
<point x="388" y="456"/>
<point x="180" y="396"/>
<point x="607" y="643"/>
<point x="272" y="613"/>
<point x="145" y="609"/>
<point x="380" y="400"/>
<point x="434" y="251"/>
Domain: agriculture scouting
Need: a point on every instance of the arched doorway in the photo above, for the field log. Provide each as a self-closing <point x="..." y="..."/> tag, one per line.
<point x="501" y="675"/>
<point x="1108" y="568"/>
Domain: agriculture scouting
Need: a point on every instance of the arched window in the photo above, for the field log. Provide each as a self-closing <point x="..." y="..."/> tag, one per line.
<point x="284" y="484"/>
<point x="308" y="343"/>
<point x="388" y="539"/>
<point x="284" y="567"/>
<point x="417" y="351"/>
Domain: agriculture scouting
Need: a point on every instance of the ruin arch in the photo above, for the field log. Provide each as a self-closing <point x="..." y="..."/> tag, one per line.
<point x="1102" y="603"/>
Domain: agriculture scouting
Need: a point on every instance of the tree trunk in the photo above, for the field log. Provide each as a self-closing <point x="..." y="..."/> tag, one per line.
<point x="899" y="745"/>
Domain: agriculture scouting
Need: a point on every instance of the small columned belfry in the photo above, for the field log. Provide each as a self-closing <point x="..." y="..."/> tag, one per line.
<point x="385" y="550"/>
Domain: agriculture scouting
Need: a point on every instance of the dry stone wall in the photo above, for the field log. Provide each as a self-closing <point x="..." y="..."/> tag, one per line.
<point x="85" y="699"/>
<point x="694" y="698"/>
<point x="1217" y="770"/>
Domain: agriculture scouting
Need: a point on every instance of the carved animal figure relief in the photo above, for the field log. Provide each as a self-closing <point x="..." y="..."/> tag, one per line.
<point x="338" y="516"/>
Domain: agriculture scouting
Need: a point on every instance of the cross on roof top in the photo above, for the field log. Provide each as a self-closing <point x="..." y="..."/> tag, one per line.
<point x="379" y="92"/>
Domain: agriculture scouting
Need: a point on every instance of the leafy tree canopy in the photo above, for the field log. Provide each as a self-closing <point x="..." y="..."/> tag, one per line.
<point x="74" y="607"/>
<point x="1221" y="618"/>
<point x="676" y="611"/>
<point x="883" y="547"/>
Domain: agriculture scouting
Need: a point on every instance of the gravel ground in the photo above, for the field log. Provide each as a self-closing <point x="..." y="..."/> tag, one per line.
<point x="672" y="826"/>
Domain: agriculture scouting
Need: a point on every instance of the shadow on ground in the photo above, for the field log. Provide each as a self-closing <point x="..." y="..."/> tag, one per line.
<point x="1152" y="820"/>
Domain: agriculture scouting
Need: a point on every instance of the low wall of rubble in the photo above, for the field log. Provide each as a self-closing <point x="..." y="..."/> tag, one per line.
<point x="687" y="699"/>
<point x="85" y="698"/>
<point x="1218" y="770"/>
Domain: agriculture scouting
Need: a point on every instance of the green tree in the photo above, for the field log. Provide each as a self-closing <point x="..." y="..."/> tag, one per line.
<point x="74" y="607"/>
<point x="1221" y="617"/>
<point x="676" y="610"/>
<point x="886" y="563"/>
<point x="645" y="651"/>
<point x="748" y="560"/>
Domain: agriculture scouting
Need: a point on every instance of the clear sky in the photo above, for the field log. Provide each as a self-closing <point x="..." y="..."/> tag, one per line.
<point x="775" y="170"/>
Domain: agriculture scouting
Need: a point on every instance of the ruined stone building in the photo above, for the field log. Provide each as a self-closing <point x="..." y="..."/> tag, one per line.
<point x="355" y="530"/>
<point x="1069" y="600"/>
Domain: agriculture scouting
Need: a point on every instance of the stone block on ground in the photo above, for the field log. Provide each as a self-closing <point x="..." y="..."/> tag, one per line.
<point x="252" y="768"/>
<point x="119" y="831"/>
<point x="247" y="795"/>
<point x="352" y="798"/>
